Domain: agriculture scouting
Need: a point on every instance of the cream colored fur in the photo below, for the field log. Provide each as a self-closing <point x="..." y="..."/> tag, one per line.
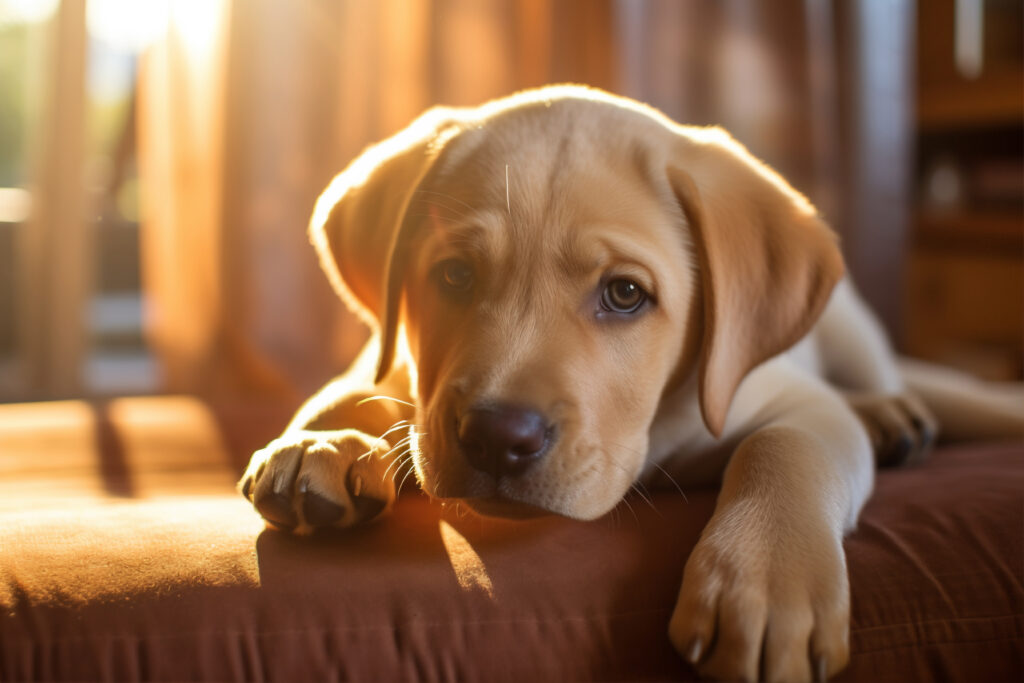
<point x="753" y="364"/>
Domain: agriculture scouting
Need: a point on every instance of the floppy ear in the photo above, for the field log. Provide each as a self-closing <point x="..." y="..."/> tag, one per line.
<point x="768" y="262"/>
<point x="361" y="220"/>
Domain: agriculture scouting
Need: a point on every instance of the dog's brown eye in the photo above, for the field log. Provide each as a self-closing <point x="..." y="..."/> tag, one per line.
<point x="455" y="275"/>
<point x="622" y="296"/>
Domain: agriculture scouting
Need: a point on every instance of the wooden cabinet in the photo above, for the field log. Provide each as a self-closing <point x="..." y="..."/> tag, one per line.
<point x="965" y="294"/>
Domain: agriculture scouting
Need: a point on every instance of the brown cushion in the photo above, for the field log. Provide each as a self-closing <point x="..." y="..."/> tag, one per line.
<point x="155" y="569"/>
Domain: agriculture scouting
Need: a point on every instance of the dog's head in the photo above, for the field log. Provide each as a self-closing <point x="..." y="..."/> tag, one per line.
<point x="559" y="260"/>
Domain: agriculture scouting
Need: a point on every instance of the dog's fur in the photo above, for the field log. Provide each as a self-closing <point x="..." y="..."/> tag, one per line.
<point x="752" y="363"/>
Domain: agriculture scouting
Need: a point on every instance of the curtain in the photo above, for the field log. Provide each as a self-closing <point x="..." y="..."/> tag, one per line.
<point x="246" y="111"/>
<point x="248" y="107"/>
<point x="821" y="91"/>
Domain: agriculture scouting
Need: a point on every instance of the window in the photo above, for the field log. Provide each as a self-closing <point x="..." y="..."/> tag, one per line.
<point x="23" y="32"/>
<point x="71" y="306"/>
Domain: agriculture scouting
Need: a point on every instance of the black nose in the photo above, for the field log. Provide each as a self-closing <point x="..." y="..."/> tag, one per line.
<point x="503" y="440"/>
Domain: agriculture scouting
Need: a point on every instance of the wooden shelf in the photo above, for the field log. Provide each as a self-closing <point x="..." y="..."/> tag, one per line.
<point x="964" y="302"/>
<point x="995" y="98"/>
<point x="980" y="230"/>
<point x="966" y="309"/>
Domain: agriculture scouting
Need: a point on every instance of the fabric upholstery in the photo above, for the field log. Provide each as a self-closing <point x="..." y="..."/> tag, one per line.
<point x="126" y="554"/>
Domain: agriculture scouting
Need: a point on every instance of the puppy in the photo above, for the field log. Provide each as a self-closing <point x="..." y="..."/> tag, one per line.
<point x="572" y="293"/>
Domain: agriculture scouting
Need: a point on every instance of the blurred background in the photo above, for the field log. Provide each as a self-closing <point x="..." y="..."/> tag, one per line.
<point x="159" y="160"/>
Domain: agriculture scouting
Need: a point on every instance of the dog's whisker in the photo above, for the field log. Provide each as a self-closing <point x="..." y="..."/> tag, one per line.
<point x="438" y="484"/>
<point x="394" y="425"/>
<point x="456" y="220"/>
<point x="434" y="209"/>
<point x="401" y="424"/>
<point x="398" y="456"/>
<point x="377" y="441"/>
<point x="445" y="195"/>
<point x="643" y="496"/>
<point x="401" y="469"/>
<point x="382" y="397"/>
<point x="406" y="470"/>
<point x="508" y="198"/>
<point x="626" y="448"/>
<point x="631" y="510"/>
<point x="397" y="460"/>
<point x="610" y="457"/>
<point x="642" y="489"/>
<point x="613" y="517"/>
<point x="399" y="450"/>
<point x="636" y="485"/>
<point x="671" y="479"/>
<point x="399" y="445"/>
<point x="668" y="476"/>
<point x="409" y="470"/>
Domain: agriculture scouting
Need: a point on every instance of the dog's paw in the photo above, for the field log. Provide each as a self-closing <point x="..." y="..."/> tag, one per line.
<point x="901" y="428"/>
<point x="760" y="603"/>
<point x="305" y="480"/>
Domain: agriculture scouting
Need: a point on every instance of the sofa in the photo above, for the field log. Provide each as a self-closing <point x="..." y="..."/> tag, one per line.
<point x="126" y="554"/>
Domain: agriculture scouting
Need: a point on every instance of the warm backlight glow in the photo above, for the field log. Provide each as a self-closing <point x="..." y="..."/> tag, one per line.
<point x="132" y="25"/>
<point x="27" y="11"/>
<point x="197" y="22"/>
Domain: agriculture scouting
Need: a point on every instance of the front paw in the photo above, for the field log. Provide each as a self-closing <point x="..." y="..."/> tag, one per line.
<point x="901" y="428"/>
<point x="306" y="479"/>
<point x="761" y="603"/>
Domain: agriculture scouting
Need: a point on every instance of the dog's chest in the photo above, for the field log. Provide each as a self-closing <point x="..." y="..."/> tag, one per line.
<point x="680" y="445"/>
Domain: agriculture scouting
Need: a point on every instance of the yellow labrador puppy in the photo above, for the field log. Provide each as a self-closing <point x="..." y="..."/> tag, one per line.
<point x="572" y="293"/>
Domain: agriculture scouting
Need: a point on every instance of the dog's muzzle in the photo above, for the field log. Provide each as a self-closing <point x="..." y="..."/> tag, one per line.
<point x="504" y="440"/>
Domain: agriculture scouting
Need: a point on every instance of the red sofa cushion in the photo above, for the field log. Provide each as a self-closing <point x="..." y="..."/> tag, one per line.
<point x="124" y="554"/>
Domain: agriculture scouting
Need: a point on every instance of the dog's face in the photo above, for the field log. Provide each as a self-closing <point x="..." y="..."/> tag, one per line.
<point x="555" y="262"/>
<point x="546" y="309"/>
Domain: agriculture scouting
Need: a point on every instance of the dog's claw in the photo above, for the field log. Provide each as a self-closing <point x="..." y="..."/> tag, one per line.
<point x="276" y="508"/>
<point x="901" y="428"/>
<point x="317" y="509"/>
<point x="694" y="651"/>
<point x="902" y="447"/>
<point x="309" y="480"/>
<point x="367" y="508"/>
<point x="821" y="669"/>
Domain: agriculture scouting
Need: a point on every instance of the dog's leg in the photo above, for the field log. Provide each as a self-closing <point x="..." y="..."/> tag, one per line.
<point x="967" y="407"/>
<point x="857" y="357"/>
<point x="334" y="465"/>
<point x="765" y="593"/>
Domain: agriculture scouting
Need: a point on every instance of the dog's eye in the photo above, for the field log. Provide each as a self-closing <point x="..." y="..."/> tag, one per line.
<point x="455" y="275"/>
<point x="622" y="296"/>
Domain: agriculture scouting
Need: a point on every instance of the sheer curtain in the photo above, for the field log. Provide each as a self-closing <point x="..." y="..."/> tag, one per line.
<point x="248" y="108"/>
<point x="821" y="91"/>
<point x="246" y="111"/>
